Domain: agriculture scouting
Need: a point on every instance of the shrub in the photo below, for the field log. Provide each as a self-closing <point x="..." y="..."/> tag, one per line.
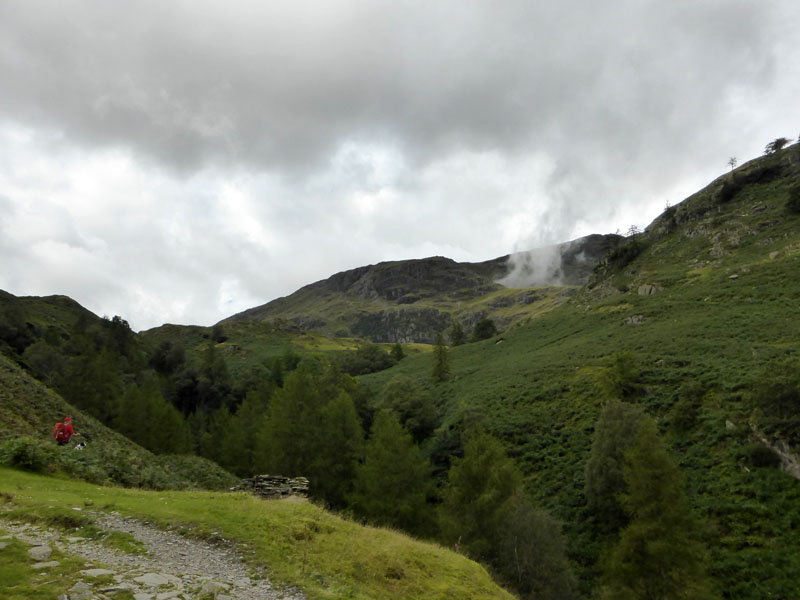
<point x="625" y="254"/>
<point x="484" y="329"/>
<point x="760" y="455"/>
<point x="775" y="145"/>
<point x="369" y="358"/>
<point x="683" y="415"/>
<point x="29" y="454"/>
<point x="793" y="203"/>
<point x="728" y="190"/>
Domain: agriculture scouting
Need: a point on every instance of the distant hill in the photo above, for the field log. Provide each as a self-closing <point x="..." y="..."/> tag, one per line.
<point x="412" y="300"/>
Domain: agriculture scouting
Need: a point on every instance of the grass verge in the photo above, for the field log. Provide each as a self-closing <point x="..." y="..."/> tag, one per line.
<point x="295" y="542"/>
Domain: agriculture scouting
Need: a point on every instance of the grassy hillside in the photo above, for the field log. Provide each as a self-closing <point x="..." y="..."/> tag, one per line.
<point x="709" y="295"/>
<point x="28" y="410"/>
<point x="298" y="543"/>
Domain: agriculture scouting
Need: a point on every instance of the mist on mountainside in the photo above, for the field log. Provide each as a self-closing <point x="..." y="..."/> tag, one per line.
<point x="534" y="268"/>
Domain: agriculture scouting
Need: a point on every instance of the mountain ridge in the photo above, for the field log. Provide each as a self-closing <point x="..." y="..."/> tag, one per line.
<point x="413" y="300"/>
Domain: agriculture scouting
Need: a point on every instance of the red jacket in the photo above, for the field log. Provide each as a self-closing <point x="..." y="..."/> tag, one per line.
<point x="63" y="434"/>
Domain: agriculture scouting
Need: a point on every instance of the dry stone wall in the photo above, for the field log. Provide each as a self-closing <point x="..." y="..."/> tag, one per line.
<point x="274" y="486"/>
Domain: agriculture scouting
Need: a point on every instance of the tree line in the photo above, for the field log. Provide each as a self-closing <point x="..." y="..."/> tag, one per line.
<point x="387" y="461"/>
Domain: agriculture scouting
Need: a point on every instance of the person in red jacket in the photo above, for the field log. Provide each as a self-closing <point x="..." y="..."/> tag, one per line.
<point x="63" y="431"/>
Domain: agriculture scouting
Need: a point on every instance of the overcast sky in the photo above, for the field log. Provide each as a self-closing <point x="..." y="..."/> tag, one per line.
<point x="183" y="161"/>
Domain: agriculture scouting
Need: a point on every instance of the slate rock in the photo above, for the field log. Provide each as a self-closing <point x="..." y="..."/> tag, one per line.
<point x="97" y="572"/>
<point x="40" y="553"/>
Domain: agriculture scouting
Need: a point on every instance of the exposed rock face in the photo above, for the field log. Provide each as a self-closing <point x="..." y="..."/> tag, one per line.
<point x="396" y="281"/>
<point x="274" y="486"/>
<point x="404" y="325"/>
<point x="790" y="460"/>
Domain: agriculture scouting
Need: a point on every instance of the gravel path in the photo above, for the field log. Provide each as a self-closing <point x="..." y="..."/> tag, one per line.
<point x="174" y="568"/>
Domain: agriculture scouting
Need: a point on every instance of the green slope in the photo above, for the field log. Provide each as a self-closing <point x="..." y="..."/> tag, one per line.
<point x="711" y="297"/>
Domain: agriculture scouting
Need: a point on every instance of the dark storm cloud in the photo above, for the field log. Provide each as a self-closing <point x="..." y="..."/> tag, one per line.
<point x="274" y="85"/>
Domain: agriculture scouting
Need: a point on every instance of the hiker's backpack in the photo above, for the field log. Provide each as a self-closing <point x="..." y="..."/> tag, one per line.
<point x="58" y="432"/>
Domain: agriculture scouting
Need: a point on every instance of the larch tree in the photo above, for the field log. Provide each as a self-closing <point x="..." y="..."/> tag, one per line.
<point x="441" y="360"/>
<point x="393" y="483"/>
<point x="659" y="555"/>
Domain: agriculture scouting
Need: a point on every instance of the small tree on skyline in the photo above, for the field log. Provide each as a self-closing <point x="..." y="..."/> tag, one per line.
<point x="775" y="145"/>
<point x="732" y="162"/>
<point x="633" y="230"/>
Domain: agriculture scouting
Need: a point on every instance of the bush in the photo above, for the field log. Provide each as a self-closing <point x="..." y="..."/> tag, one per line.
<point x="29" y="454"/>
<point x="683" y="415"/>
<point x="775" y="145"/>
<point x="623" y="255"/>
<point x="760" y="455"/>
<point x="369" y="358"/>
<point x="728" y="190"/>
<point x="484" y="329"/>
<point x="793" y="203"/>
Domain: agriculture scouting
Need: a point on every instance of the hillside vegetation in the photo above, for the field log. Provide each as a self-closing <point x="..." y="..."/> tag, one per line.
<point x="697" y="321"/>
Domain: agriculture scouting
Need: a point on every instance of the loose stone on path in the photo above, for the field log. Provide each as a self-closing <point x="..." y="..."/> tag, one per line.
<point x="174" y="567"/>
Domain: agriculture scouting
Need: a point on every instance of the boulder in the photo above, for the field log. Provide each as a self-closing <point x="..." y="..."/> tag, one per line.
<point x="635" y="320"/>
<point x="40" y="553"/>
<point x="648" y="289"/>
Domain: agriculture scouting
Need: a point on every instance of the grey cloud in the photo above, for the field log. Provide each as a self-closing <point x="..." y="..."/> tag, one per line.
<point x="280" y="86"/>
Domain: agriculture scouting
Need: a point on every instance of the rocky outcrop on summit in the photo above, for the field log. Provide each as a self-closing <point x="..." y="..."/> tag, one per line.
<point x="407" y="281"/>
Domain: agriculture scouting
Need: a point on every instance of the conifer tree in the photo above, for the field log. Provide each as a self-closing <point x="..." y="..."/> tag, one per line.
<point x="312" y="430"/>
<point x="240" y="438"/>
<point x="613" y="435"/>
<point x="441" y="360"/>
<point x="288" y="439"/>
<point x="485" y="509"/>
<point x="146" y="418"/>
<point x="413" y="406"/>
<point x="392" y="485"/>
<point x="457" y="335"/>
<point x="340" y="446"/>
<point x="659" y="556"/>
<point x="478" y="485"/>
<point x="397" y="352"/>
